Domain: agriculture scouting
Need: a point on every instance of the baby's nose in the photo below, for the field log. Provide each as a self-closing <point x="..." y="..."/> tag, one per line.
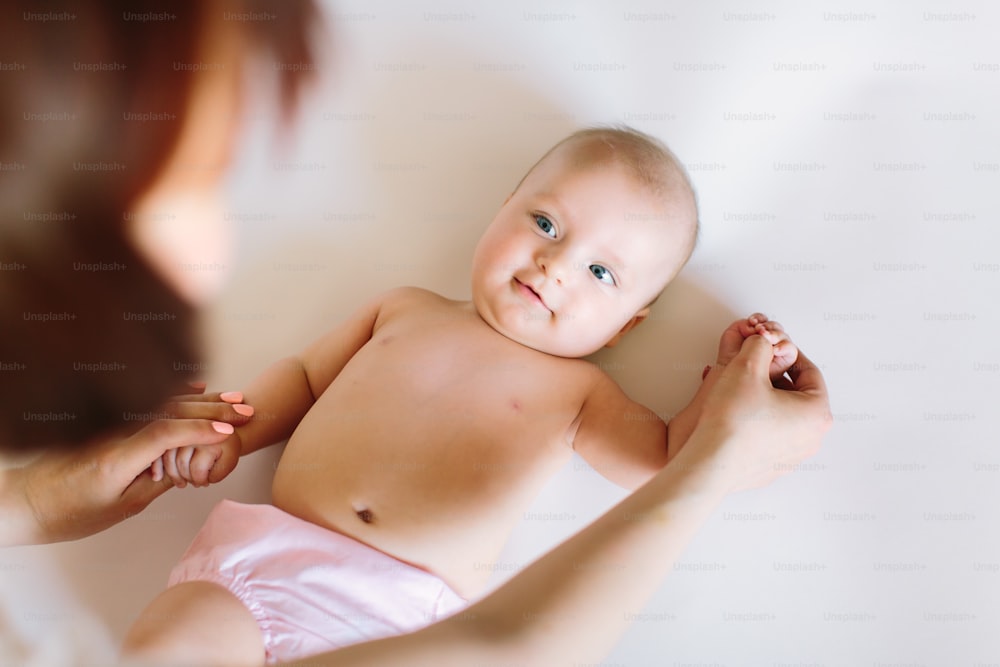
<point x="552" y="267"/>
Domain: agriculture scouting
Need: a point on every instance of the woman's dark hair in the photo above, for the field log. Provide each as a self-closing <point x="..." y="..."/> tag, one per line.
<point x="90" y="336"/>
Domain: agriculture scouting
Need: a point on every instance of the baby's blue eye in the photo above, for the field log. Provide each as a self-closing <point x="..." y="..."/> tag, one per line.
<point x="545" y="225"/>
<point x="602" y="274"/>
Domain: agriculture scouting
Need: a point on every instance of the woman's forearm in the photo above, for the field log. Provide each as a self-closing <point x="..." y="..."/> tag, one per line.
<point x="680" y="428"/>
<point x="570" y="606"/>
<point x="18" y="524"/>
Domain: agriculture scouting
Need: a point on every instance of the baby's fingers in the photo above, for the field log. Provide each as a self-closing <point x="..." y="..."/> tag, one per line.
<point x="184" y="455"/>
<point x="785" y="354"/>
<point x="170" y="468"/>
<point x="771" y="331"/>
<point x="786" y="351"/>
<point x="748" y="327"/>
<point x="202" y="463"/>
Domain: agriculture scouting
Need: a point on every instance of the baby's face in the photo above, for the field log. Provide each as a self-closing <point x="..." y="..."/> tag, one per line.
<point x="574" y="254"/>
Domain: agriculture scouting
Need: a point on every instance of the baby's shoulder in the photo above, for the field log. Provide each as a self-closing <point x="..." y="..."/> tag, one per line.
<point x="401" y="301"/>
<point x="594" y="380"/>
<point x="585" y="376"/>
<point x="409" y="294"/>
<point x="412" y="297"/>
<point x="583" y="386"/>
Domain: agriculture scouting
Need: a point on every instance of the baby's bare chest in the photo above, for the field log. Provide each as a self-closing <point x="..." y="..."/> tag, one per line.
<point x="440" y="379"/>
<point x="432" y="440"/>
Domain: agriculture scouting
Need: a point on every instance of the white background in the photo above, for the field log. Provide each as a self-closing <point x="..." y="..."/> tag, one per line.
<point x="847" y="163"/>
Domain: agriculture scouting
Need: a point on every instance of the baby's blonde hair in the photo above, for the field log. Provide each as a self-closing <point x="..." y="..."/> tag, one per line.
<point x="648" y="159"/>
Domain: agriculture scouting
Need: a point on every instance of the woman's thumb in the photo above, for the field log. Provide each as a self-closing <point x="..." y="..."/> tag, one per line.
<point x="755" y="355"/>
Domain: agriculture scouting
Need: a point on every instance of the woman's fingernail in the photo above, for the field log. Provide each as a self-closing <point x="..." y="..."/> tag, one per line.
<point x="197" y="385"/>
<point x="232" y="396"/>
<point x="223" y="427"/>
<point x="244" y="409"/>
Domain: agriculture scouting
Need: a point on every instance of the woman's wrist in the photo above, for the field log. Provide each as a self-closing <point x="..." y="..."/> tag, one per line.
<point x="18" y="525"/>
<point x="702" y="462"/>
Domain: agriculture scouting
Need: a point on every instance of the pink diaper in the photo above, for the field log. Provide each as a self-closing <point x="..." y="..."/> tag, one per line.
<point x="311" y="589"/>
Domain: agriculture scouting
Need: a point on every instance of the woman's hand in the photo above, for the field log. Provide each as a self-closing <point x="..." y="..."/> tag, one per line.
<point x="66" y="494"/>
<point x="761" y="431"/>
<point x="198" y="463"/>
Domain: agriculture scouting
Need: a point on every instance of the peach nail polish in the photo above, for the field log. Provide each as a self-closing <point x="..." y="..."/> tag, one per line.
<point x="223" y="427"/>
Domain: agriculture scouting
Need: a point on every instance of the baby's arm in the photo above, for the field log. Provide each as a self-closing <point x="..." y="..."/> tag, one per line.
<point x="623" y="440"/>
<point x="628" y="443"/>
<point x="281" y="396"/>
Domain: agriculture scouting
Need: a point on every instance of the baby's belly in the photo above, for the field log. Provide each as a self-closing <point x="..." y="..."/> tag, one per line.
<point x="444" y="504"/>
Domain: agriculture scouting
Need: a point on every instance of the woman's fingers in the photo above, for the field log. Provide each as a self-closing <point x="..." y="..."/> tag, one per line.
<point x="807" y="378"/>
<point x="232" y="413"/>
<point x="128" y="458"/>
<point x="156" y="469"/>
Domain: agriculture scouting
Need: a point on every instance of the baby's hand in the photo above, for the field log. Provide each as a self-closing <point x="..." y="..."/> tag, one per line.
<point x="200" y="465"/>
<point x="204" y="464"/>
<point x="785" y="351"/>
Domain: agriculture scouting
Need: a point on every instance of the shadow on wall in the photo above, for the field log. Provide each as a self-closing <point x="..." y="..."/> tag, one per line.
<point x="659" y="364"/>
<point x="450" y="152"/>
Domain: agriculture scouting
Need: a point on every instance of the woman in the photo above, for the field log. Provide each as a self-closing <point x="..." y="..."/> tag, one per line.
<point x="97" y="314"/>
<point x="96" y="277"/>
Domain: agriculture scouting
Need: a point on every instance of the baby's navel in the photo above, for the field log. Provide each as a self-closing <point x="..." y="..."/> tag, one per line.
<point x="365" y="514"/>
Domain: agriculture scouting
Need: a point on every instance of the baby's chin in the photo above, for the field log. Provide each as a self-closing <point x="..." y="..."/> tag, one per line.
<point x="551" y="345"/>
<point x="547" y="342"/>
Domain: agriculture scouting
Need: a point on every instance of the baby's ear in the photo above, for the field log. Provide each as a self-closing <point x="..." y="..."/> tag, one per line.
<point x="631" y="324"/>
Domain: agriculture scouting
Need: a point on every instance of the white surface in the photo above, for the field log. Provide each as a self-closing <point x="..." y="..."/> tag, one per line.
<point x="884" y="550"/>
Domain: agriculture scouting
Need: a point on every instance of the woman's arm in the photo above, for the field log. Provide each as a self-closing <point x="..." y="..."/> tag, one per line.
<point x="569" y="607"/>
<point x="66" y="494"/>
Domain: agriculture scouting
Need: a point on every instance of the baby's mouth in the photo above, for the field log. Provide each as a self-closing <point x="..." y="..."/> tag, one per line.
<point x="529" y="292"/>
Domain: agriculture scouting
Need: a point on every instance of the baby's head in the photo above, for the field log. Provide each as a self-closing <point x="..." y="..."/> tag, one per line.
<point x="585" y="243"/>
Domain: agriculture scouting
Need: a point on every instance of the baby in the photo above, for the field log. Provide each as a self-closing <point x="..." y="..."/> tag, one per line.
<point x="421" y="428"/>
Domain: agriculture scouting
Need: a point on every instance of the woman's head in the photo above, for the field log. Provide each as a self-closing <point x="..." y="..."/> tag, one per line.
<point x="103" y="98"/>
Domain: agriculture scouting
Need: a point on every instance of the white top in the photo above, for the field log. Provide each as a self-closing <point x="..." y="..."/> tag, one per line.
<point x="42" y="624"/>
